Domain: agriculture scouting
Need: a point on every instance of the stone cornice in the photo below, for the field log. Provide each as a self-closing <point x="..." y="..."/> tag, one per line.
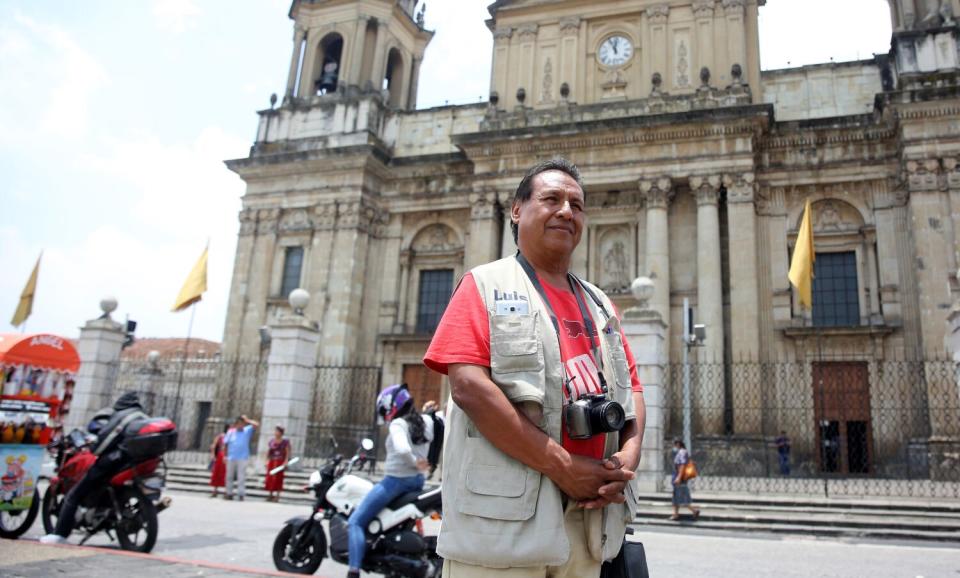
<point x="834" y="136"/>
<point x="919" y="113"/>
<point x="622" y="131"/>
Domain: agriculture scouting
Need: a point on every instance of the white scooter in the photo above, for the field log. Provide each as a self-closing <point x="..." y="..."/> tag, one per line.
<point x="395" y="545"/>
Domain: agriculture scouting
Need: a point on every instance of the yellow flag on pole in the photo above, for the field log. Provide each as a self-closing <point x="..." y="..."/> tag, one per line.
<point x="25" y="307"/>
<point x="801" y="267"/>
<point x="194" y="286"/>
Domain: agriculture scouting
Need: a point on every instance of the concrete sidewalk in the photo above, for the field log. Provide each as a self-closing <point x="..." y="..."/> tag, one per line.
<point x="26" y="558"/>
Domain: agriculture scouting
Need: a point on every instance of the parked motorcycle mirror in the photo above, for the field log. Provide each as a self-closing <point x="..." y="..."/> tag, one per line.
<point x="367" y="444"/>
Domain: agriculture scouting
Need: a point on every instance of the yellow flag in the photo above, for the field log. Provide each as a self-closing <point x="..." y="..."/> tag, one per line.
<point x="194" y="286"/>
<point x="25" y="307"/>
<point x="801" y="267"/>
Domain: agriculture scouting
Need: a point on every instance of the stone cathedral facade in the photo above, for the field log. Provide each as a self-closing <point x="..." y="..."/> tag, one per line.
<point x="697" y="166"/>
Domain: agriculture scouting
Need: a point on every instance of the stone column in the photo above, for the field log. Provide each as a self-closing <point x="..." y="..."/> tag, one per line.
<point x="710" y="386"/>
<point x="744" y="299"/>
<point x="404" y="296"/>
<point x="507" y="245"/>
<point x="357" y="55"/>
<point x="99" y="346"/>
<point x="291" y="367"/>
<point x="483" y="245"/>
<point x="414" y="83"/>
<point x="647" y="335"/>
<point x="299" y="35"/>
<point x="658" y="193"/>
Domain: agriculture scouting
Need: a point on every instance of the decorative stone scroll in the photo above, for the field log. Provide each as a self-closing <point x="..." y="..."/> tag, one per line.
<point x="248" y="222"/>
<point x="502" y="33"/>
<point x="570" y="26"/>
<point x="733" y="7"/>
<point x="706" y="189"/>
<point x="657" y="192"/>
<point x="741" y="188"/>
<point x="528" y="32"/>
<point x="483" y="205"/>
<point x="703" y="9"/>
<point x="546" y="89"/>
<point x="294" y="221"/>
<point x="658" y="13"/>
<point x="436" y="238"/>
<point x="923" y="175"/>
<point x="267" y="221"/>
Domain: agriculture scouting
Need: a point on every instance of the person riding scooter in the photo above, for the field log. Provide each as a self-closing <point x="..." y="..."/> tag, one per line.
<point x="108" y="425"/>
<point x="407" y="447"/>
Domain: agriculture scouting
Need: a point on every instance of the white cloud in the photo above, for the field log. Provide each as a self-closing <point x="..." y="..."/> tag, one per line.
<point x="176" y="15"/>
<point x="181" y="196"/>
<point x="48" y="81"/>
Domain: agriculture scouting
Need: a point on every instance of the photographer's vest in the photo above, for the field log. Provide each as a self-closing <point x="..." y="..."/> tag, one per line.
<point x="498" y="512"/>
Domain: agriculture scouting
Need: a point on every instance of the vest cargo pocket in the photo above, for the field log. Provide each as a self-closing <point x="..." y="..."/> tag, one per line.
<point x="495" y="485"/>
<point x="514" y="344"/>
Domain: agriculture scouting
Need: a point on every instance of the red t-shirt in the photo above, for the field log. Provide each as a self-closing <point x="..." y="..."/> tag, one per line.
<point x="463" y="336"/>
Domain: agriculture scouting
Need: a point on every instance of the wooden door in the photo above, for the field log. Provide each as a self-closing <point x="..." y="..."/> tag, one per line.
<point x="841" y="397"/>
<point x="424" y="384"/>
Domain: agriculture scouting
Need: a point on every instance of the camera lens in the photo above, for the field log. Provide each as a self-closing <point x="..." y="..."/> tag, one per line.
<point x="608" y="417"/>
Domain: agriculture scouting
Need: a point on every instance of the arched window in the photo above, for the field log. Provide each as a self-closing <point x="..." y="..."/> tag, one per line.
<point x="393" y="79"/>
<point x="327" y="65"/>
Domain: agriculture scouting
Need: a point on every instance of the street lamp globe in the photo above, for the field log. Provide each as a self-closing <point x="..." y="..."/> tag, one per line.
<point x="298" y="299"/>
<point x="642" y="290"/>
<point x="108" y="305"/>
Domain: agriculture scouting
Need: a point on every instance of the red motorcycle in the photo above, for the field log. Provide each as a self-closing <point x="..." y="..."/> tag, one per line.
<point x="128" y="505"/>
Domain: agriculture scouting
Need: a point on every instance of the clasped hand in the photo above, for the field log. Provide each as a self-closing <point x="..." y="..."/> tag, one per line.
<point x="595" y="483"/>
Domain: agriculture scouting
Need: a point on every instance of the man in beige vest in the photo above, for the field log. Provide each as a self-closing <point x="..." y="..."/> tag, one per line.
<point x="546" y="424"/>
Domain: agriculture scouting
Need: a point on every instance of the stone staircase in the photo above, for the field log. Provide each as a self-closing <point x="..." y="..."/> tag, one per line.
<point x="876" y="518"/>
<point x="873" y="518"/>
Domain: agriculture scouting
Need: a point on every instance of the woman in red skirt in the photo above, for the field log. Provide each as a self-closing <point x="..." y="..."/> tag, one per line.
<point x="218" y="469"/>
<point x="278" y="452"/>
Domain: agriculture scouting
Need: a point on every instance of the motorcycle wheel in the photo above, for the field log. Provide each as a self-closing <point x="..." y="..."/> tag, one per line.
<point x="50" y="512"/>
<point x="137" y="528"/>
<point x="13" y="523"/>
<point x="305" y="562"/>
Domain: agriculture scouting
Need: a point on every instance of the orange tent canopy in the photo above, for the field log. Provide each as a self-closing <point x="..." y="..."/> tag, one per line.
<point x="40" y="350"/>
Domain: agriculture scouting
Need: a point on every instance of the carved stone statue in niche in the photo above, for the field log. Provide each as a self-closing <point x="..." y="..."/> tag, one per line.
<point x="615" y="269"/>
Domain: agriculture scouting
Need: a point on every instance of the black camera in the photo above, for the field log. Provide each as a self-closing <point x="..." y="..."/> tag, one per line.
<point x="593" y="414"/>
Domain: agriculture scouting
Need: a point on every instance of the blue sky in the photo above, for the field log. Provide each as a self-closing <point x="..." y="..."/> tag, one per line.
<point x="115" y="117"/>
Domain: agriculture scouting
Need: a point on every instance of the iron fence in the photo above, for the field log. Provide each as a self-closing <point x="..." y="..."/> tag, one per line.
<point x="343" y="409"/>
<point x="834" y="426"/>
<point x="203" y="394"/>
<point x="200" y="394"/>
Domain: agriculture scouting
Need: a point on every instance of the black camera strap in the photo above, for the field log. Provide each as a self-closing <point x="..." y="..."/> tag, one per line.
<point x="588" y="323"/>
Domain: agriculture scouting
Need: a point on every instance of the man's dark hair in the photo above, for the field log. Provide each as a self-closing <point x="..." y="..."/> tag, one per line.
<point x="525" y="189"/>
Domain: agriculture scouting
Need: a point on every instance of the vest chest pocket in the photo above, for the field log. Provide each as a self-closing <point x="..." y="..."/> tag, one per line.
<point x="515" y="343"/>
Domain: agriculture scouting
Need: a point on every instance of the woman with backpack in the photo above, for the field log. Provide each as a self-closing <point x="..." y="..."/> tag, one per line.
<point x="408" y="443"/>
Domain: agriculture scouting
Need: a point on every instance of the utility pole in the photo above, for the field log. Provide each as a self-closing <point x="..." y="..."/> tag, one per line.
<point x="693" y="336"/>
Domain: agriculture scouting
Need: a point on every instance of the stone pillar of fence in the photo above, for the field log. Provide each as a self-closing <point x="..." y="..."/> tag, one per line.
<point x="99" y="346"/>
<point x="646" y="333"/>
<point x="290" y="375"/>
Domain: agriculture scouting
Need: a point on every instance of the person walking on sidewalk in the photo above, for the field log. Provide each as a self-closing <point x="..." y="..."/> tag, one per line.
<point x="534" y="487"/>
<point x="238" y="452"/>
<point x="783" y="453"/>
<point x="681" y="491"/>
<point x="278" y="452"/>
<point x="218" y="462"/>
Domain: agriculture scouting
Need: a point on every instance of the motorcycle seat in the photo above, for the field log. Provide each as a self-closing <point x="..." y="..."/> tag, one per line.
<point x="403" y="499"/>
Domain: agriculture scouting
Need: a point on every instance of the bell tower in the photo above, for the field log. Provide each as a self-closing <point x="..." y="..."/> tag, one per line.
<point x="355" y="47"/>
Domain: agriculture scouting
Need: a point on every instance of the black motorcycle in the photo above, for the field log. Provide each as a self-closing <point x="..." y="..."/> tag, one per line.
<point x="395" y="545"/>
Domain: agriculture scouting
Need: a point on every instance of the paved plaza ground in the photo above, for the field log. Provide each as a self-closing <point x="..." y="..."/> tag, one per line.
<point x="229" y="536"/>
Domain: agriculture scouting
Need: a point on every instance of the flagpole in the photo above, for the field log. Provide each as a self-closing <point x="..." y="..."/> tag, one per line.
<point x="183" y="361"/>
